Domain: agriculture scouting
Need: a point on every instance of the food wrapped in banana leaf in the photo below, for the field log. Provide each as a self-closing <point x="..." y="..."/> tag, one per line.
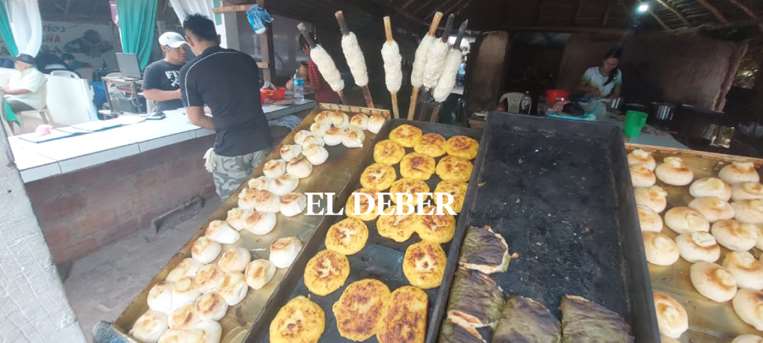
<point x="485" y="250"/>
<point x="586" y="321"/>
<point x="475" y="300"/>
<point x="528" y="321"/>
<point x="454" y="333"/>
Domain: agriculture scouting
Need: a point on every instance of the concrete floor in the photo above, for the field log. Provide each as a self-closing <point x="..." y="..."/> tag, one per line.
<point x="99" y="286"/>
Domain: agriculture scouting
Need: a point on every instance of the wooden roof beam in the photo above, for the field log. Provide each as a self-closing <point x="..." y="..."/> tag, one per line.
<point x="659" y="21"/>
<point x="674" y="11"/>
<point x="605" y="16"/>
<point x="746" y="10"/>
<point x="712" y="9"/>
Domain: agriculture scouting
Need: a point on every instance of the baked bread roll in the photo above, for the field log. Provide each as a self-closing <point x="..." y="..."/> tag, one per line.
<point x="748" y="339"/>
<point x="436" y="228"/>
<point x="323" y="117"/>
<point x="333" y="136"/>
<point x="735" y="236"/>
<point x="289" y="152"/>
<point x="312" y="140"/>
<point x="747" y="270"/>
<point x="417" y="166"/>
<point x="234" y="259"/>
<point x="649" y="220"/>
<point x="462" y="146"/>
<point x="274" y="168"/>
<point x="405" y="317"/>
<point x="260" y="223"/>
<point x="246" y="197"/>
<point x="188" y="267"/>
<point x="353" y="138"/>
<point x="713" y="281"/>
<point x="236" y="218"/>
<point x="673" y="171"/>
<point x="360" y="309"/>
<point x="359" y="121"/>
<point x="347" y="236"/>
<point x="698" y="247"/>
<point x="293" y="204"/>
<point x="233" y="289"/>
<point x="454" y="169"/>
<point x="367" y="205"/>
<point x="339" y="119"/>
<point x="653" y="198"/>
<point x="326" y="272"/>
<point x="205" y="250"/>
<point x="748" y="305"/>
<point x="686" y="220"/>
<point x="284" y="251"/>
<point x="672" y="318"/>
<point x="210" y="306"/>
<point x="405" y="135"/>
<point x="424" y="264"/>
<point x="299" y="136"/>
<point x="456" y="189"/>
<point x="397" y="227"/>
<point x="378" y="177"/>
<point x="283" y="184"/>
<point x="209" y="279"/>
<point x="309" y="315"/>
<point x="319" y="129"/>
<point x="220" y="232"/>
<point x="261" y="201"/>
<point x="408" y="190"/>
<point x="712" y="208"/>
<point x="641" y="176"/>
<point x="430" y="144"/>
<point x="376" y="122"/>
<point x="660" y="249"/>
<point x="211" y="331"/>
<point x="205" y="331"/>
<point x="260" y="182"/>
<point x="183" y="318"/>
<point x="149" y="326"/>
<point x="642" y="158"/>
<point x="259" y="273"/>
<point x="388" y="152"/>
<point x="739" y="172"/>
<point x="710" y="187"/>
<point x="184" y="292"/>
<point x="159" y="298"/>
<point x="759" y="244"/>
<point x="748" y="211"/>
<point x="316" y="154"/>
<point x="299" y="168"/>
<point x="747" y="191"/>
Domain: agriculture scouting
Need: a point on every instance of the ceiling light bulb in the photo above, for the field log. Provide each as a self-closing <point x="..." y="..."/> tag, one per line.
<point x="642" y="7"/>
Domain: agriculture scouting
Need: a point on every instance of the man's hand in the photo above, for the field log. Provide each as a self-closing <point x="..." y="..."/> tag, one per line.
<point x="197" y="117"/>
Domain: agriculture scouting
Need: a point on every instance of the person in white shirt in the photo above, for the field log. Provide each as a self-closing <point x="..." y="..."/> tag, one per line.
<point x="24" y="91"/>
<point x="605" y="80"/>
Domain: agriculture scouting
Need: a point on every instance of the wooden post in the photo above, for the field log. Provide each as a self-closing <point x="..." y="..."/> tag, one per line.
<point x="267" y="51"/>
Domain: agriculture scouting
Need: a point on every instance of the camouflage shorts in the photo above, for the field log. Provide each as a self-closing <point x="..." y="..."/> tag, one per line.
<point x="229" y="172"/>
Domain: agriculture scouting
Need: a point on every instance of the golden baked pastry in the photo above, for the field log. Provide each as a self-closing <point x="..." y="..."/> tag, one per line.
<point x="367" y="210"/>
<point x="405" y="318"/>
<point x="455" y="169"/>
<point x="323" y="117"/>
<point x="388" y="152"/>
<point x="326" y="272"/>
<point x="347" y="237"/>
<point x="397" y="227"/>
<point x="417" y="166"/>
<point x="300" y="320"/>
<point x="408" y="186"/>
<point x="456" y="189"/>
<point x="378" y="177"/>
<point x="431" y="144"/>
<point x="462" y="146"/>
<point x="360" y="309"/>
<point x="436" y="228"/>
<point x="424" y="264"/>
<point x="405" y="135"/>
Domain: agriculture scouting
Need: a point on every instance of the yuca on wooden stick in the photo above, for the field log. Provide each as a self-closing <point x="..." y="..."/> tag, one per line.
<point x="450" y="71"/>
<point x="324" y="62"/>
<point x="393" y="72"/>
<point x="436" y="56"/>
<point x="354" y="56"/>
<point x="420" y="61"/>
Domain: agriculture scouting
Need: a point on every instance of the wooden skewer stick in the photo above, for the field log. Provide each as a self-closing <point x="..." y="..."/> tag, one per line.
<point x="457" y="45"/>
<point x="311" y="43"/>
<point x="345" y="30"/>
<point x="393" y="96"/>
<point x="435" y="112"/>
<point x="415" y="92"/>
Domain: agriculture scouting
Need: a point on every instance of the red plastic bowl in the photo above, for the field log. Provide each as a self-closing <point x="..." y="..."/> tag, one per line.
<point x="553" y="94"/>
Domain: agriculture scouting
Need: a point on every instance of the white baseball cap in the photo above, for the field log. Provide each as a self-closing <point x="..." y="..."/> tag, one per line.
<point x="171" y="39"/>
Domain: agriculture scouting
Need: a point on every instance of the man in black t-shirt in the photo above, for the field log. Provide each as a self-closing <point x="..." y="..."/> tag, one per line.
<point x="228" y="82"/>
<point x="161" y="79"/>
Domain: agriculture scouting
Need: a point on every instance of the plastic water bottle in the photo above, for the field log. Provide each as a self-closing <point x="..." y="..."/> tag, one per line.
<point x="299" y="89"/>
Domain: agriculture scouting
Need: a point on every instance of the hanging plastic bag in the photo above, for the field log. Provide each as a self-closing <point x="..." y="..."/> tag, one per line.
<point x="258" y="18"/>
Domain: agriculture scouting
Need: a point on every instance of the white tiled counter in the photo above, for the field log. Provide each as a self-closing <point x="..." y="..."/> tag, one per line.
<point x="37" y="161"/>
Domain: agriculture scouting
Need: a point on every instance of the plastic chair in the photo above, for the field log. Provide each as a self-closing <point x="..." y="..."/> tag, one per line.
<point x="516" y="102"/>
<point x="69" y="100"/>
<point x="65" y="73"/>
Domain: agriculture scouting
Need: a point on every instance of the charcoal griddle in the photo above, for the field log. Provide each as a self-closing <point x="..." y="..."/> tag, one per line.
<point x="380" y="259"/>
<point x="561" y="195"/>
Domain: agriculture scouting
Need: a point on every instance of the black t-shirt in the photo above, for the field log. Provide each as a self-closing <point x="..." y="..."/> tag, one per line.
<point x="228" y="82"/>
<point x="164" y="76"/>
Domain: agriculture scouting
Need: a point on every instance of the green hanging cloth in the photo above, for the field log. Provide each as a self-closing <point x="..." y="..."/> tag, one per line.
<point x="137" y="25"/>
<point x="5" y="30"/>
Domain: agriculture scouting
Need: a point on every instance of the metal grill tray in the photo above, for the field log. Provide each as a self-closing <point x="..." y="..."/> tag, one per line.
<point x="561" y="195"/>
<point x="380" y="259"/>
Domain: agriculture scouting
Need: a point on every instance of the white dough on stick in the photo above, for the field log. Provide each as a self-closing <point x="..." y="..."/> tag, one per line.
<point x="435" y="63"/>
<point x="393" y="72"/>
<point x="420" y="60"/>
<point x="448" y="78"/>
<point x="355" y="59"/>
<point x="328" y="69"/>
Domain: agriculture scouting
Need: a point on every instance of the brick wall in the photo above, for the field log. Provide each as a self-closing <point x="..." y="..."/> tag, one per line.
<point x="82" y="211"/>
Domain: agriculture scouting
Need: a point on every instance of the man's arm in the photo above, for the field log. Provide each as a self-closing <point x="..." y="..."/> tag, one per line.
<point x="161" y="95"/>
<point x="197" y="117"/>
<point x="10" y="91"/>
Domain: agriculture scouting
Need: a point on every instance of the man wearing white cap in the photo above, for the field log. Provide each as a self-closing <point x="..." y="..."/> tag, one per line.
<point x="161" y="79"/>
